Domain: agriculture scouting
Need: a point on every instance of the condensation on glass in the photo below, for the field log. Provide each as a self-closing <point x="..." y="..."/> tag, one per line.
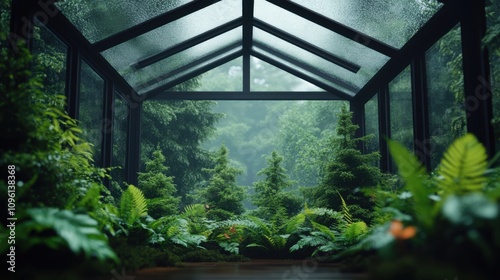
<point x="100" y="19"/>
<point x="447" y="119"/>
<point x="90" y="114"/>
<point x="400" y="96"/>
<point x="391" y="21"/>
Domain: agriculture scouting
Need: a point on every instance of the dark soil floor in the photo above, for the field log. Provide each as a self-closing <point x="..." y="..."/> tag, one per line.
<point x="256" y="269"/>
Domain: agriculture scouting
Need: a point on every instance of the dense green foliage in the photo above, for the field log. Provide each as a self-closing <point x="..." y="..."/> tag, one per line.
<point x="348" y="172"/>
<point x="270" y="196"/>
<point x="446" y="222"/>
<point x="158" y="188"/>
<point x="54" y="173"/>
<point x="222" y="192"/>
<point x="178" y="127"/>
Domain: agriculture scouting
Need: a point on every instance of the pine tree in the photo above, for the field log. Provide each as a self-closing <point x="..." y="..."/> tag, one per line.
<point x="269" y="195"/>
<point x="222" y="192"/>
<point x="158" y="188"/>
<point x="348" y="172"/>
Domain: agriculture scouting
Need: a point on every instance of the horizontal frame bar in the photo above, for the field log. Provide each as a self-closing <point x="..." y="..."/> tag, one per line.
<point x="238" y="95"/>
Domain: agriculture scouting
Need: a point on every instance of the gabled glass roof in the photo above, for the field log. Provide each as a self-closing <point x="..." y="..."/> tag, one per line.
<point x="337" y="45"/>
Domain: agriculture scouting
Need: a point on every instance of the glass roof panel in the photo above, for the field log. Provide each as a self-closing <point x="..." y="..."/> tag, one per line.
<point x="369" y="60"/>
<point x="267" y="77"/>
<point x="227" y="77"/>
<point x="100" y="19"/>
<point x="330" y="71"/>
<point x="313" y="73"/>
<point x="186" y="61"/>
<point x="160" y="39"/>
<point x="390" y="21"/>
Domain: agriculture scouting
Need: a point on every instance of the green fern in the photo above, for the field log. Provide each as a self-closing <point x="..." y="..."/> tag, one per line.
<point x="355" y="231"/>
<point x="195" y="210"/>
<point x="345" y="211"/>
<point x="133" y="205"/>
<point x="463" y="166"/>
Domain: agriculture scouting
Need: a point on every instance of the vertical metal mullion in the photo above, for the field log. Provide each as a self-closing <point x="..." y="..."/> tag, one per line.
<point x="107" y="126"/>
<point x="477" y="80"/>
<point x="420" y="111"/>
<point x="358" y="111"/>
<point x="73" y="70"/>
<point x="384" y="112"/>
<point x="247" y="13"/>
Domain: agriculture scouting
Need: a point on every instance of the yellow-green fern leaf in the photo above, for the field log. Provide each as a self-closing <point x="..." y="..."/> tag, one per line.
<point x="345" y="211"/>
<point x="463" y="166"/>
<point x="133" y="205"/>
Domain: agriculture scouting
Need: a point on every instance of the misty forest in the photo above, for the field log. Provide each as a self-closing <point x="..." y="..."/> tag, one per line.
<point x="235" y="181"/>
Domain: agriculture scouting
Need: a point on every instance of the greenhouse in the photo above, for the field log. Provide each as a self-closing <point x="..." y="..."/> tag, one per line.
<point x="247" y="139"/>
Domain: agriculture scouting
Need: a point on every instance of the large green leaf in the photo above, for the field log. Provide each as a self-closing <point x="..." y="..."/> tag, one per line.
<point x="79" y="231"/>
<point x="414" y="175"/>
<point x="463" y="166"/>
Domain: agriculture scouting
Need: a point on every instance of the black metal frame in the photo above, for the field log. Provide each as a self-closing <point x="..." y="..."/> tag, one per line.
<point x="469" y="13"/>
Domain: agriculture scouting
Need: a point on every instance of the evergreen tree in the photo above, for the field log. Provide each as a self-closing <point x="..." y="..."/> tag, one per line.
<point x="222" y="193"/>
<point x="158" y="188"/>
<point x="348" y="172"/>
<point x="270" y="196"/>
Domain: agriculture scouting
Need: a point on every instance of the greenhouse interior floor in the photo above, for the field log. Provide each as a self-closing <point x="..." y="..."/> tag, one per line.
<point x="255" y="269"/>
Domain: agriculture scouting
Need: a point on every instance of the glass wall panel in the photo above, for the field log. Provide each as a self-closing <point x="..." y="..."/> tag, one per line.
<point x="400" y="96"/>
<point x="391" y="21"/>
<point x="266" y="77"/>
<point x="371" y="124"/>
<point x="447" y="119"/>
<point x="100" y="19"/>
<point x="493" y="23"/>
<point x="120" y="128"/>
<point x="50" y="55"/>
<point x="91" y="109"/>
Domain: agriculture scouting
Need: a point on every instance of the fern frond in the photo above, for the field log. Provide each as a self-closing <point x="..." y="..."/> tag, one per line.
<point x="345" y="211"/>
<point x="324" y="229"/>
<point x="414" y="174"/>
<point x="194" y="210"/>
<point x="463" y="166"/>
<point x="295" y="222"/>
<point x="133" y="205"/>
